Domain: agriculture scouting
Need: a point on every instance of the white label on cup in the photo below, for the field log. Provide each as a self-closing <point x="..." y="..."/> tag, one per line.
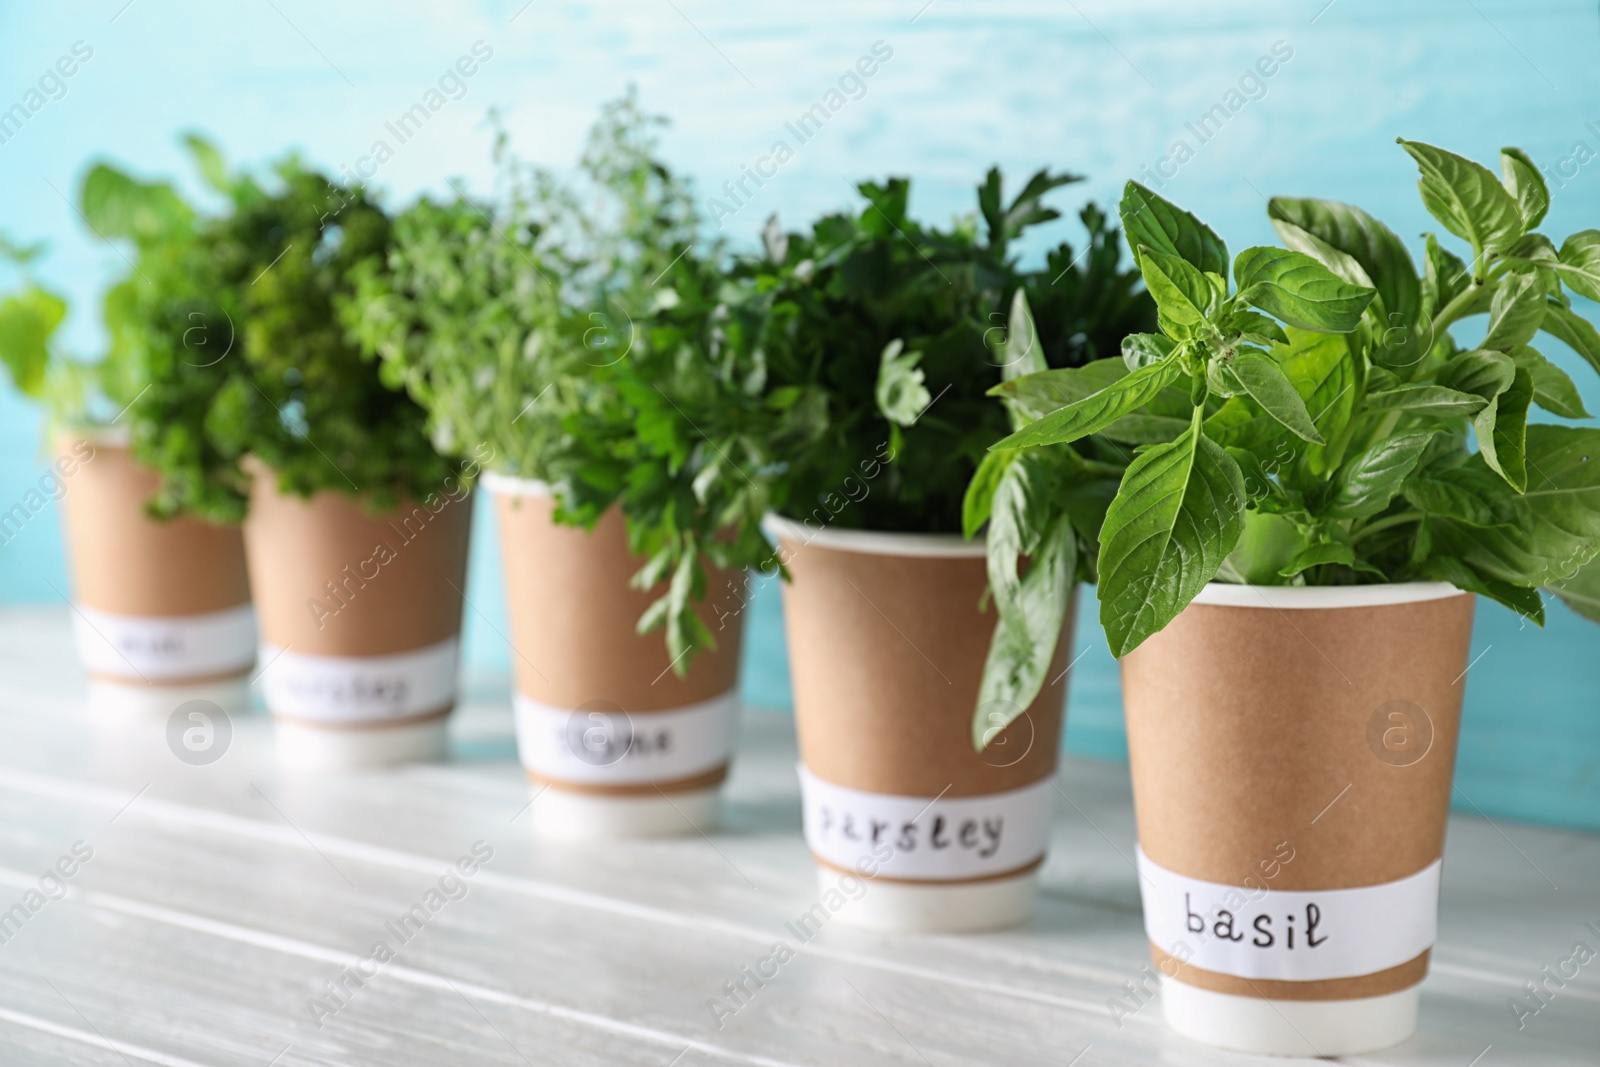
<point x="162" y="648"/>
<point x="944" y="839"/>
<point x="1287" y="934"/>
<point x="601" y="744"/>
<point x="359" y="689"/>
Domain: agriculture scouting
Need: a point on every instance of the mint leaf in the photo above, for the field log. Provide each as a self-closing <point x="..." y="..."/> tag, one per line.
<point x="28" y="321"/>
<point x="1150" y="221"/>
<point x="1298" y="290"/>
<point x="1466" y="198"/>
<point x="900" y="391"/>
<point x="1177" y="516"/>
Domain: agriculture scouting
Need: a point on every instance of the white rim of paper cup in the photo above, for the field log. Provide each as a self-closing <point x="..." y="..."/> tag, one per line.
<point x="1292" y="597"/>
<point x="1290" y="1027"/>
<point x="875" y="542"/>
<point x="563" y="815"/>
<point x="511" y="485"/>
<point x="934" y="908"/>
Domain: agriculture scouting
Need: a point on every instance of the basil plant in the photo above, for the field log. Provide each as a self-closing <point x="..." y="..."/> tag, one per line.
<point x="1311" y="421"/>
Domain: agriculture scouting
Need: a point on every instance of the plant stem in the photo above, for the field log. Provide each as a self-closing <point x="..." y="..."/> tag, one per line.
<point x="1378" y="525"/>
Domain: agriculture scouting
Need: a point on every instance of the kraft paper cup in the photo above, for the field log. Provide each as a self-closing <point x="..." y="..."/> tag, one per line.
<point x="886" y="650"/>
<point x="614" y="742"/>
<point x="360" y="623"/>
<point x="1292" y="752"/>
<point x="161" y="609"/>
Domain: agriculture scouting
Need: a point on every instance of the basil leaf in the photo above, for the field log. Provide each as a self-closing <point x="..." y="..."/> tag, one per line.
<point x="1143" y="349"/>
<point x="1141" y="429"/>
<point x="1313" y="226"/>
<point x="1256" y="327"/>
<point x="1502" y="431"/>
<point x="1298" y="290"/>
<point x="1182" y="294"/>
<point x="1093" y="413"/>
<point x="977" y="504"/>
<point x="1580" y="591"/>
<point x="902" y="397"/>
<point x="1240" y="423"/>
<point x="1520" y="599"/>
<point x="1572" y="330"/>
<point x="1471" y="494"/>
<point x="1037" y="395"/>
<point x="1515" y="312"/>
<point x="1580" y="263"/>
<point x="1318" y="554"/>
<point x="1420" y="399"/>
<point x="1032" y="607"/>
<point x="1365" y="484"/>
<point x="1444" y="278"/>
<point x="1152" y="222"/>
<point x="1558" y="518"/>
<point x="1482" y="371"/>
<point x="1177" y="516"/>
<point x="1466" y="198"/>
<point x="1269" y="387"/>
<point x="1019" y="352"/>
<point x="1524" y="182"/>
<point x="1553" y="390"/>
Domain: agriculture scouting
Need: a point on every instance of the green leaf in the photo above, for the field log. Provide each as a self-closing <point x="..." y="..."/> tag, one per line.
<point x="1020" y="352"/>
<point x="118" y="206"/>
<point x="1255" y="327"/>
<point x="208" y="161"/>
<point x="1318" y="554"/>
<point x="1482" y="371"/>
<point x="1581" y="590"/>
<point x="1038" y="394"/>
<point x="1320" y="228"/>
<point x="1557" y="529"/>
<point x="1580" y="263"/>
<point x="1365" y="484"/>
<point x="1444" y="278"/>
<point x="1178" y="514"/>
<point x="1182" y="294"/>
<point x="1269" y="387"/>
<point x="1031" y="606"/>
<point x="21" y="255"/>
<point x="902" y="397"/>
<point x="1152" y="222"/>
<point x="1520" y="599"/>
<point x="1143" y="349"/>
<point x="28" y="320"/>
<point x="1471" y="494"/>
<point x="1466" y="198"/>
<point x="1433" y="400"/>
<point x="1515" y="312"/>
<point x="1265" y="546"/>
<point x="1299" y="290"/>
<point x="1553" y="390"/>
<point x="1093" y="413"/>
<point x="1572" y="330"/>
<point x="1502" y="431"/>
<point x="1524" y="182"/>
<point x="978" y="502"/>
<point x="1141" y="429"/>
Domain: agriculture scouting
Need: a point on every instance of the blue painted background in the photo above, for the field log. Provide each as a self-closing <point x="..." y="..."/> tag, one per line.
<point x="1100" y="88"/>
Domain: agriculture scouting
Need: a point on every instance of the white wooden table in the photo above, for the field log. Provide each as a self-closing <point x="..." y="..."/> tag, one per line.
<point x="220" y="899"/>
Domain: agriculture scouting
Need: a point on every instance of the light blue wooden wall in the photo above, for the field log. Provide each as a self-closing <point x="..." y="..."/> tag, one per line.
<point x="1102" y="88"/>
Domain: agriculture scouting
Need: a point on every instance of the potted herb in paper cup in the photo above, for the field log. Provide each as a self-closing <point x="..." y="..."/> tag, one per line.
<point x="514" y="326"/>
<point x="355" y="528"/>
<point x="160" y="609"/>
<point x="1289" y="579"/>
<point x="889" y="332"/>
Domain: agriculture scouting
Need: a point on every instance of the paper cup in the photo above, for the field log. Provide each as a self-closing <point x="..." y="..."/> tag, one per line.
<point x="614" y="742"/>
<point x="161" y="610"/>
<point x="886" y="650"/>
<point x="360" y="623"/>
<point x="1292" y="752"/>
